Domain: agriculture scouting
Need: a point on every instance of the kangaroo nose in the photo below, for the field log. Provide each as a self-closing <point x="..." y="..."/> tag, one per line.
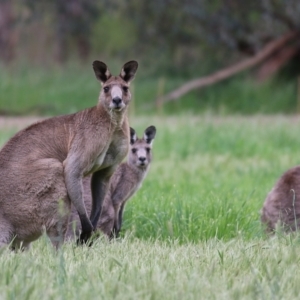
<point x="142" y="158"/>
<point x="117" y="101"/>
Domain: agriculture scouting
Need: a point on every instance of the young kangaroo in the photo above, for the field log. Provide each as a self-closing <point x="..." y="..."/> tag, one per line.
<point x="126" y="180"/>
<point x="282" y="204"/>
<point x="43" y="165"/>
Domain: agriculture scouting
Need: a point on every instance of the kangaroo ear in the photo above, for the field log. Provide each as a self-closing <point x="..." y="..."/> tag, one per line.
<point x="133" y="136"/>
<point x="149" y="134"/>
<point x="101" y="71"/>
<point x="128" y="71"/>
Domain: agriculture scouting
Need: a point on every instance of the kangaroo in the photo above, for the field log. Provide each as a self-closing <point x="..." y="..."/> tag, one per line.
<point x="43" y="165"/>
<point x="126" y="180"/>
<point x="282" y="204"/>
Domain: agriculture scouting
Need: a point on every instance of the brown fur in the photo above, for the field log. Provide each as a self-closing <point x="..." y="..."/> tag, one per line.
<point x="126" y="180"/>
<point x="282" y="205"/>
<point x="44" y="164"/>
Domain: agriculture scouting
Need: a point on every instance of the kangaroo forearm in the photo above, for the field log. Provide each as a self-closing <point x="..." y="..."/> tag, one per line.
<point x="86" y="225"/>
<point x="99" y="187"/>
<point x="97" y="202"/>
<point x="120" y="219"/>
<point x="120" y="194"/>
<point x="75" y="192"/>
<point x="117" y="221"/>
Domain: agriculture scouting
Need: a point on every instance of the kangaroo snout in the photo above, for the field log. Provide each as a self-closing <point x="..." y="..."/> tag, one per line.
<point x="142" y="160"/>
<point x="117" y="101"/>
<point x="117" y="95"/>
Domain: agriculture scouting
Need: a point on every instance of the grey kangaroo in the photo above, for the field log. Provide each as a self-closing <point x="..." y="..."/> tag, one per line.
<point x="42" y="166"/>
<point x="282" y="204"/>
<point x="126" y="180"/>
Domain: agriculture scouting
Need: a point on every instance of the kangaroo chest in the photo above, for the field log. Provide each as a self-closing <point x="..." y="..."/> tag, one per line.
<point x="113" y="154"/>
<point x="134" y="182"/>
<point x="137" y="185"/>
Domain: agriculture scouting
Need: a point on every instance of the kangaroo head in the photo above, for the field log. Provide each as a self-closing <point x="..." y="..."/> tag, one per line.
<point x="115" y="94"/>
<point x="140" y="154"/>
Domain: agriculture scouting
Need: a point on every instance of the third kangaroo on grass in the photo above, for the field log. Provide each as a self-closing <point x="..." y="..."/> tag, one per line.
<point x="42" y="166"/>
<point x="282" y="204"/>
<point x="126" y="180"/>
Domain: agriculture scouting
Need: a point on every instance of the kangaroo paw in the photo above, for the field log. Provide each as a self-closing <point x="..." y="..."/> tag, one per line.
<point x="84" y="239"/>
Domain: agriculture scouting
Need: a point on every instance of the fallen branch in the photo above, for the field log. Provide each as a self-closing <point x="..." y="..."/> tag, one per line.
<point x="269" y="49"/>
<point x="277" y="61"/>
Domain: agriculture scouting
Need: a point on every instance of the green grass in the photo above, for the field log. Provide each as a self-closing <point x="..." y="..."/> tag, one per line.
<point x="191" y="232"/>
<point x="52" y="90"/>
<point x="135" y="269"/>
<point x="211" y="175"/>
<point x="47" y="93"/>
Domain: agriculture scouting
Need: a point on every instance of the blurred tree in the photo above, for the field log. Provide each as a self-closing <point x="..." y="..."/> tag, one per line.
<point x="176" y="35"/>
<point x="7" y="33"/>
<point x="248" y="26"/>
<point x="74" y="19"/>
<point x="237" y="26"/>
<point x="72" y="22"/>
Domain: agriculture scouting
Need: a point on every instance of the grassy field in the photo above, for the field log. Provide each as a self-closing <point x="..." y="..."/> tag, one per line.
<point x="52" y="90"/>
<point x="191" y="232"/>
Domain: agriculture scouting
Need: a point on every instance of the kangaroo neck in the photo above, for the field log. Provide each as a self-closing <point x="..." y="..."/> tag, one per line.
<point x="117" y="118"/>
<point x="139" y="172"/>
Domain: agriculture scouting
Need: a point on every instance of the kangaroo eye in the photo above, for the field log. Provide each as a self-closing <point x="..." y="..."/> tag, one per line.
<point x="106" y="89"/>
<point x="148" y="149"/>
<point x="133" y="150"/>
<point x="125" y="89"/>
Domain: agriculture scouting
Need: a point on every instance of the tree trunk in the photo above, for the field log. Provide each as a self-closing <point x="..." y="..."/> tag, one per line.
<point x="83" y="46"/>
<point x="8" y="37"/>
<point x="263" y="54"/>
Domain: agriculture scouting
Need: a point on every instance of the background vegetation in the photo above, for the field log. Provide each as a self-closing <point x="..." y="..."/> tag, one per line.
<point x="45" y="43"/>
<point x="61" y="91"/>
<point x="193" y="230"/>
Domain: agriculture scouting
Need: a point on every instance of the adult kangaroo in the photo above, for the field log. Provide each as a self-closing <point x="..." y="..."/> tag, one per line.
<point x="124" y="183"/>
<point x="42" y="166"/>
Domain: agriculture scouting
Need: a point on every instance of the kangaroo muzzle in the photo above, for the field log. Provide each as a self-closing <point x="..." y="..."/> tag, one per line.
<point x="116" y="96"/>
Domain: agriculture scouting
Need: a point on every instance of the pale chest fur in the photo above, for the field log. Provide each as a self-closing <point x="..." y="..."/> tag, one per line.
<point x="113" y="154"/>
<point x="135" y="184"/>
